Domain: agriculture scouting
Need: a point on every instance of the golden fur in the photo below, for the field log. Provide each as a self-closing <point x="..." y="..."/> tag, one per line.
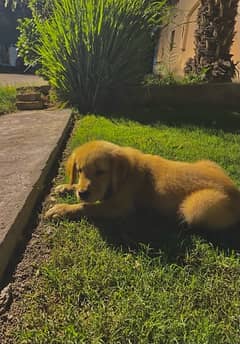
<point x="111" y="181"/>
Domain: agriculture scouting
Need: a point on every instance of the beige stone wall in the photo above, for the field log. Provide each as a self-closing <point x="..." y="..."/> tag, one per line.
<point x="176" y="43"/>
<point x="236" y="45"/>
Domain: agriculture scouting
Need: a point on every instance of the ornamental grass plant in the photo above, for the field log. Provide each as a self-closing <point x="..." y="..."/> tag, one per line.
<point x="86" y="48"/>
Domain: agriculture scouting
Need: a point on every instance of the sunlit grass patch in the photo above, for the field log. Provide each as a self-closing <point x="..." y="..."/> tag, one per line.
<point x="185" y="290"/>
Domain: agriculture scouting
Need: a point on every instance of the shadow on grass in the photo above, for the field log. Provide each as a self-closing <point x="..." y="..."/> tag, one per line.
<point x="164" y="235"/>
<point x="213" y="118"/>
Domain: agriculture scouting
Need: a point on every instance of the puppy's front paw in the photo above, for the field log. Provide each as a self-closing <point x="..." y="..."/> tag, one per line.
<point x="58" y="211"/>
<point x="63" y="210"/>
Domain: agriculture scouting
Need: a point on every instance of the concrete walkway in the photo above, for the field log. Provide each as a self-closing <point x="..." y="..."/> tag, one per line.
<point x="29" y="144"/>
<point x="8" y="79"/>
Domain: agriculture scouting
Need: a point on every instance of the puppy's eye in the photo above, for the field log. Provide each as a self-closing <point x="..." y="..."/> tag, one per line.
<point x="100" y="172"/>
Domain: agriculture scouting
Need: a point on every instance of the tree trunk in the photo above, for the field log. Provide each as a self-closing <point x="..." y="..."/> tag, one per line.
<point x="213" y="40"/>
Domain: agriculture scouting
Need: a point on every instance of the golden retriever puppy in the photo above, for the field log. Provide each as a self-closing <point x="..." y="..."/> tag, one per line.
<point x="111" y="181"/>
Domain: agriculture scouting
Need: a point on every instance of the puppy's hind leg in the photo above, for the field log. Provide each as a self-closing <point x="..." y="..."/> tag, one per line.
<point x="210" y="209"/>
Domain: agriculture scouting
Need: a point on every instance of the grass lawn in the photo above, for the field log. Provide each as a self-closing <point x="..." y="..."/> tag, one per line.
<point x="7" y="99"/>
<point x="93" y="290"/>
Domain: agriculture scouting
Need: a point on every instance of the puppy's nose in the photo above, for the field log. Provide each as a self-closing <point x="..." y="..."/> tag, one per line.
<point x="84" y="195"/>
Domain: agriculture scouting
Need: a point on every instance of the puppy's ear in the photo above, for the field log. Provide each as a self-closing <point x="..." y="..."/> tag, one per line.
<point x="71" y="169"/>
<point x="120" y="170"/>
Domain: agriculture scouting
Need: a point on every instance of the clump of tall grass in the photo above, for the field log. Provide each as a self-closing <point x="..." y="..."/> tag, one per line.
<point x="7" y="99"/>
<point x="88" y="47"/>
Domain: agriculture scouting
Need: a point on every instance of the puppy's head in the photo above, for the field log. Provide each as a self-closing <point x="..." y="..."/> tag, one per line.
<point x="98" y="169"/>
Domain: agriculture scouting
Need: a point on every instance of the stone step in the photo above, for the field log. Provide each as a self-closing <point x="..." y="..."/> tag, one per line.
<point x="30" y="105"/>
<point x="28" y="97"/>
<point x="34" y="89"/>
<point x="32" y="98"/>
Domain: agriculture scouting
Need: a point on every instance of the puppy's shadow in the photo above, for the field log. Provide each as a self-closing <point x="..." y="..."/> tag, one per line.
<point x="146" y="228"/>
<point x="161" y="234"/>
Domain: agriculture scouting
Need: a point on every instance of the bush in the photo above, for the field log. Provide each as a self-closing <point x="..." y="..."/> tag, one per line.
<point x="88" y="47"/>
<point x="29" y="35"/>
<point x="27" y="41"/>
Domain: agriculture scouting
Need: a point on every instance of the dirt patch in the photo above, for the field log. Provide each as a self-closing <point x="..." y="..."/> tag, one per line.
<point x="36" y="252"/>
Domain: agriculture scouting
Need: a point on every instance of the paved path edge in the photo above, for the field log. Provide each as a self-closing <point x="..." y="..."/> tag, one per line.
<point x="17" y="232"/>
